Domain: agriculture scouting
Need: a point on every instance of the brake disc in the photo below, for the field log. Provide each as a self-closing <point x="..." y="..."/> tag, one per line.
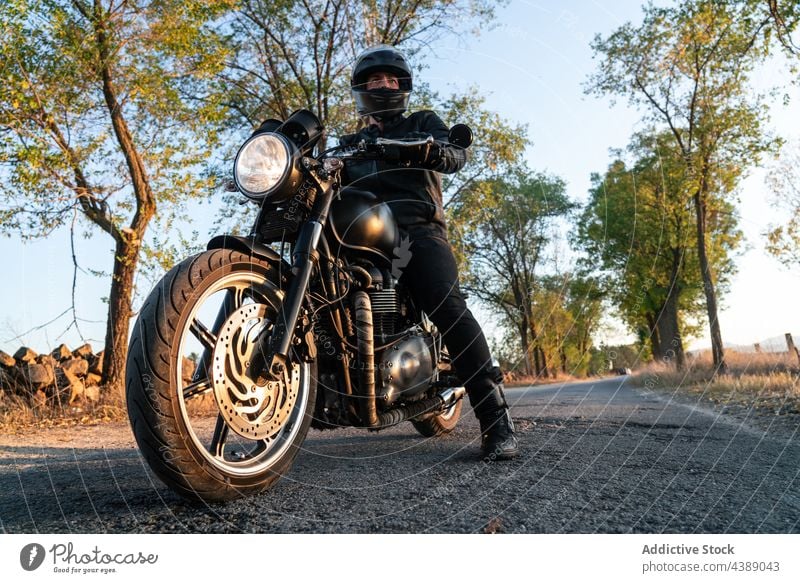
<point x="252" y="411"/>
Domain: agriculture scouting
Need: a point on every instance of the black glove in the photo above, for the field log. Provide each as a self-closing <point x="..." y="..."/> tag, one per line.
<point x="371" y="134"/>
<point x="416" y="136"/>
<point x="427" y="155"/>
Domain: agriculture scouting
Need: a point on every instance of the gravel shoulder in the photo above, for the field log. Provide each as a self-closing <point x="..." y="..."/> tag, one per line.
<point x="777" y="415"/>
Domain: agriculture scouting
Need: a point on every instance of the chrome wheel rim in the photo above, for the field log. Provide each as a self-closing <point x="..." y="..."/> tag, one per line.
<point x="225" y="443"/>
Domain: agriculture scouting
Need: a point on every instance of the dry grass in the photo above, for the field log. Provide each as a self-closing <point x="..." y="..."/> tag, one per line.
<point x="766" y="381"/>
<point x="526" y="381"/>
<point x="750" y="363"/>
<point x="18" y="415"/>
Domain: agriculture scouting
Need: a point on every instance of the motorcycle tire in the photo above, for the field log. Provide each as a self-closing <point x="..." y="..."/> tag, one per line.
<point x="440" y="423"/>
<point x="172" y="411"/>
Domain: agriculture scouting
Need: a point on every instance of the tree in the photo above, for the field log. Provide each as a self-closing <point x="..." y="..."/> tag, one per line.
<point x="585" y="304"/>
<point x="638" y="228"/>
<point x="504" y="233"/>
<point x="293" y="54"/>
<point x="689" y="67"/>
<point x="298" y="54"/>
<point x="783" y="241"/>
<point x="785" y="15"/>
<point x="566" y="319"/>
<point x="100" y="116"/>
<point x="566" y="311"/>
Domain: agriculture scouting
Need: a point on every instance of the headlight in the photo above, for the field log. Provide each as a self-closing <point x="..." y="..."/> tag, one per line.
<point x="264" y="165"/>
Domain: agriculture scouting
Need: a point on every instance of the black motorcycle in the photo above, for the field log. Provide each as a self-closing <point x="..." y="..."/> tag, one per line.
<point x="304" y="323"/>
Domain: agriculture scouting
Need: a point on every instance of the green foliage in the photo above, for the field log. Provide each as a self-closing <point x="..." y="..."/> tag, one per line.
<point x="506" y="228"/>
<point x="586" y="304"/>
<point x="688" y="66"/>
<point x="783" y="240"/>
<point x="567" y="311"/>
<point x="519" y="208"/>
<point x="606" y="358"/>
<point x="638" y="219"/>
<point x="290" y="54"/>
<point x="67" y="66"/>
<point x="498" y="144"/>
<point x="496" y="152"/>
<point x="106" y="110"/>
<point x="785" y="17"/>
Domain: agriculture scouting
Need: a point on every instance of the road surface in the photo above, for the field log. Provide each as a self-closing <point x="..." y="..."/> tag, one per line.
<point x="600" y="456"/>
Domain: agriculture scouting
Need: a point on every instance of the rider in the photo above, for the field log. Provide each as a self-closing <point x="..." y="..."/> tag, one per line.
<point x="411" y="185"/>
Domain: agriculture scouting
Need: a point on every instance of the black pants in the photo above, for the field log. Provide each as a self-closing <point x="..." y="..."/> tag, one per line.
<point x="432" y="277"/>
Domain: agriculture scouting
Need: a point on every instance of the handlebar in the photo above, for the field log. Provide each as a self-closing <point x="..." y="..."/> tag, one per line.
<point x="459" y="136"/>
<point x="375" y="150"/>
<point x="390" y="142"/>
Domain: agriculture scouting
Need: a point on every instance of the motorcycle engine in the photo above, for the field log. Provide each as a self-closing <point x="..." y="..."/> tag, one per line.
<point x="406" y="368"/>
<point x="387" y="308"/>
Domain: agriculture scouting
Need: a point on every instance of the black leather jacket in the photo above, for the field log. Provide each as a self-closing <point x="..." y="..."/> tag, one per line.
<point x="414" y="194"/>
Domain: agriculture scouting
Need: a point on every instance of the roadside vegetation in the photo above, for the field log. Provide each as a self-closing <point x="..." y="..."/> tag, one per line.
<point x="18" y="413"/>
<point x="763" y="384"/>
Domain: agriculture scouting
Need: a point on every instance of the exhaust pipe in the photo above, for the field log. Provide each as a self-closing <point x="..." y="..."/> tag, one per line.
<point x="435" y="404"/>
<point x="366" y="359"/>
<point x="366" y="377"/>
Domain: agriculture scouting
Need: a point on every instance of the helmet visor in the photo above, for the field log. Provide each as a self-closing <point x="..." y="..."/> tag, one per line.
<point x="381" y="103"/>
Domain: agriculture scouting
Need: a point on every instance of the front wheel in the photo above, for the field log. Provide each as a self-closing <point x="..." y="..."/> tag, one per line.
<point x="203" y="425"/>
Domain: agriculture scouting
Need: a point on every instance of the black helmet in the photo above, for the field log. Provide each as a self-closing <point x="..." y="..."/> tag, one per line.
<point x="381" y="103"/>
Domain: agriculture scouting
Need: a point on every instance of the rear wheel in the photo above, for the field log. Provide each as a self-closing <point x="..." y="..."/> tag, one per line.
<point x="203" y="425"/>
<point x="438" y="424"/>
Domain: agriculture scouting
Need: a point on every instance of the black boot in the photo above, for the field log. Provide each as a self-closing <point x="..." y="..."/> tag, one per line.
<point x="498" y="441"/>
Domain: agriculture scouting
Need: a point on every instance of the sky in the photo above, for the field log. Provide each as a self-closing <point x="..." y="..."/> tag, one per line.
<point x="532" y="67"/>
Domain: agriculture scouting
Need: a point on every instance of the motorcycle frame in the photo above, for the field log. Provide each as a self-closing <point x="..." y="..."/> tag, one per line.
<point x="270" y="357"/>
<point x="310" y="251"/>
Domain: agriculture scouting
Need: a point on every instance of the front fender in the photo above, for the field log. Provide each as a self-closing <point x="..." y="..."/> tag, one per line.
<point x="249" y="246"/>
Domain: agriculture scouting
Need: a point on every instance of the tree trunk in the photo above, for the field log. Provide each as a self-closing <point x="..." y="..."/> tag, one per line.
<point x="542" y="357"/>
<point x="668" y="326"/>
<point x="708" y="285"/>
<point x="538" y="356"/>
<point x="670" y="335"/>
<point x="119" y="315"/>
<point x="128" y="241"/>
<point x="655" y="340"/>
<point x="526" y="347"/>
<point x="538" y="361"/>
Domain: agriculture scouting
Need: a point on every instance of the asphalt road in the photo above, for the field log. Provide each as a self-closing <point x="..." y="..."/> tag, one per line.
<point x="596" y="457"/>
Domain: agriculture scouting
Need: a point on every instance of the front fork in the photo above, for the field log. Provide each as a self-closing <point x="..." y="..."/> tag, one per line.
<point x="271" y="352"/>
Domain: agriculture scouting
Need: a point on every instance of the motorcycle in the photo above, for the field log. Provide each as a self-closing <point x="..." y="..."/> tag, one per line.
<point x="306" y="322"/>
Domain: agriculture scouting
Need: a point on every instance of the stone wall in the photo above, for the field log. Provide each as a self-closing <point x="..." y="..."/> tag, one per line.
<point x="61" y="377"/>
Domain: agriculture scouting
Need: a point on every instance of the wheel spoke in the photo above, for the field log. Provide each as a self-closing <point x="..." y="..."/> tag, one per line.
<point x="238" y="298"/>
<point x="196" y="388"/>
<point x="243" y="456"/>
<point x="217" y="446"/>
<point x="203" y="334"/>
<point x="259" y="447"/>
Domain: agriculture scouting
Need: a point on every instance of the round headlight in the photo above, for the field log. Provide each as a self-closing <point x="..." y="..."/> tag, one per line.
<point x="262" y="165"/>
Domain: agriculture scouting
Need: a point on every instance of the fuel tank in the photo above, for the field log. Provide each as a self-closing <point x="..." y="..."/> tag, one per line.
<point x="363" y="225"/>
